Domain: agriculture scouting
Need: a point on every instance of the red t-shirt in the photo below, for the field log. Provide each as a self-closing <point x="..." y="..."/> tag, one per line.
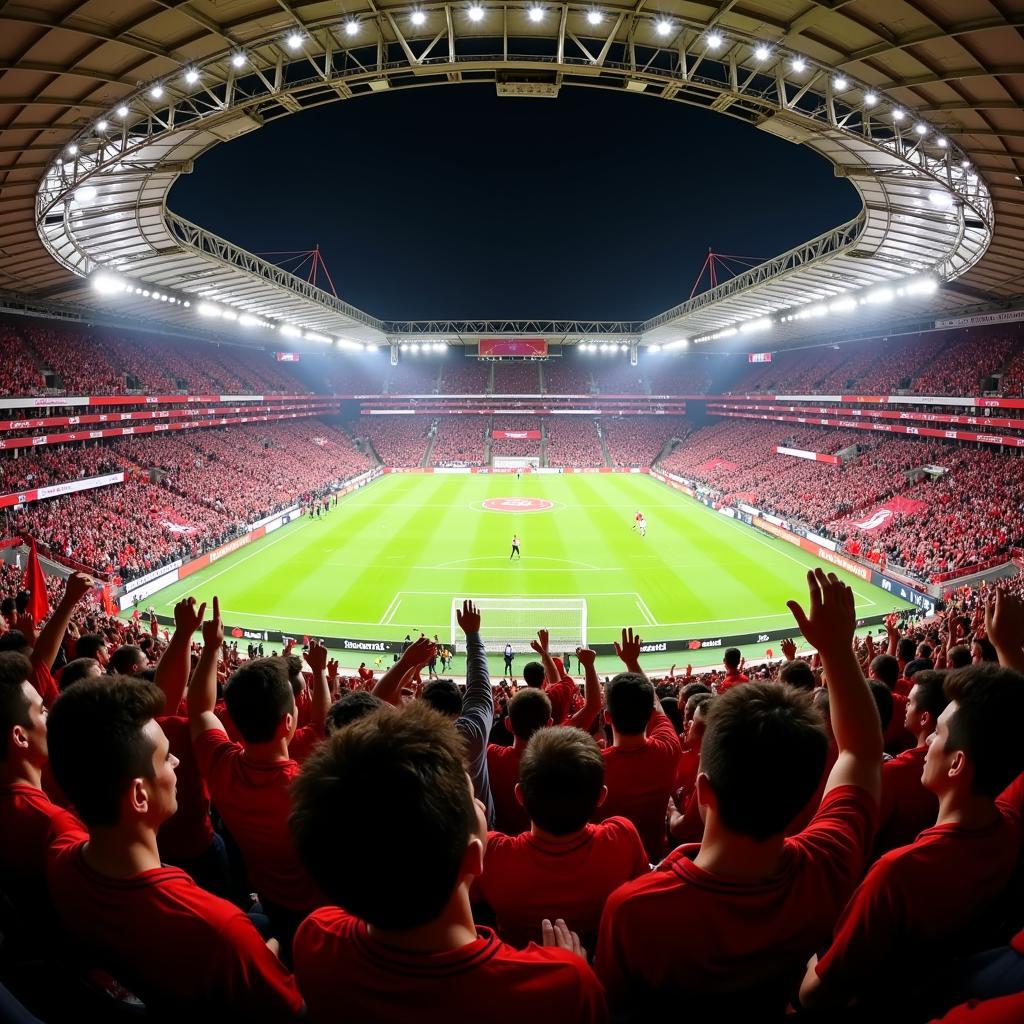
<point x="905" y="808"/>
<point x="188" y="834"/>
<point x="680" y="934"/>
<point x="897" y="737"/>
<point x="640" y="780"/>
<point x="732" y="679"/>
<point x="42" y="679"/>
<point x="1004" y="1010"/>
<point x="29" y="821"/>
<point x="503" y="771"/>
<point x="527" y="878"/>
<point x="561" y="695"/>
<point x="170" y="941"/>
<point x="341" y="969"/>
<point x="254" y="801"/>
<point x="897" y="913"/>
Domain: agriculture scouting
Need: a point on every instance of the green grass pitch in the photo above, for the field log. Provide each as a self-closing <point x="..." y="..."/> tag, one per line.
<point x="391" y="557"/>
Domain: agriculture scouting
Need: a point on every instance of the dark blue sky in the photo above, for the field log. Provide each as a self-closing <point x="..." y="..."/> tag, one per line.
<point x="452" y="202"/>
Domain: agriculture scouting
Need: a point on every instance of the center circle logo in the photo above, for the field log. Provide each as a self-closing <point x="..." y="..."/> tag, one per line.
<point x="517" y="505"/>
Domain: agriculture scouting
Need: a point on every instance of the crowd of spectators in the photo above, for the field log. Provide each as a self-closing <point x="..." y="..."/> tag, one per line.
<point x="399" y="441"/>
<point x="515" y="446"/>
<point x="572" y="441"/>
<point x="639" y="440"/>
<point x="21" y="376"/>
<point x="567" y="376"/>
<point x="414" y="375"/>
<point x="461" y="375"/>
<point x="458" y="441"/>
<point x="516" y="377"/>
<point x="25" y="469"/>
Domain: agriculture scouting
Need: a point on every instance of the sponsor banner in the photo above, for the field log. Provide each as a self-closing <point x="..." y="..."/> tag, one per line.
<point x="41" y="403"/>
<point x="759" y="357"/>
<point x="1008" y="316"/>
<point x="903" y="415"/>
<point x="885" y="515"/>
<point x="286" y="357"/>
<point x="904" y="591"/>
<point x="799" y="453"/>
<point x="451" y="469"/>
<point x="822" y="541"/>
<point x="164" y="578"/>
<point x="218" y="553"/>
<point x="55" y="490"/>
<point x="728" y="511"/>
<point x="524" y="348"/>
<point x="549" y="470"/>
<point x="515" y="435"/>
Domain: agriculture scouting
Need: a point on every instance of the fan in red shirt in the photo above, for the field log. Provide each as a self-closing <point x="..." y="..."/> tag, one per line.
<point x="734" y="674"/>
<point x="972" y="757"/>
<point x="905" y="807"/>
<point x="550" y="674"/>
<point x="401" y="943"/>
<point x="886" y="670"/>
<point x="178" y="947"/>
<point x="249" y="782"/>
<point x="563" y="866"/>
<point x="528" y="711"/>
<point x="727" y="925"/>
<point x="685" y="824"/>
<point x="640" y="766"/>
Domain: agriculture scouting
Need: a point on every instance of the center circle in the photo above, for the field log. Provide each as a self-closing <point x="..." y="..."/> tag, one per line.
<point x="517" y="505"/>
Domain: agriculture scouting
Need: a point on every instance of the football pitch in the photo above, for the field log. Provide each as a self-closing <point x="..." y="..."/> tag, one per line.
<point x="392" y="556"/>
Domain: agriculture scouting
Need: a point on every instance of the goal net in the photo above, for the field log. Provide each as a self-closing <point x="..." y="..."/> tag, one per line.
<point x="515" y="621"/>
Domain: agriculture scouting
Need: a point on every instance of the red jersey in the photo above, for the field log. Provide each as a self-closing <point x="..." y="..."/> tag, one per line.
<point x="29" y="821"/>
<point x="340" y="966"/>
<point x="561" y="695"/>
<point x="895" y="912"/>
<point x="1004" y="1010"/>
<point x="503" y="771"/>
<point x="170" y="941"/>
<point x="188" y="834"/>
<point x="42" y="679"/>
<point x="681" y="934"/>
<point x="906" y="808"/>
<point x="254" y="801"/>
<point x="898" y="737"/>
<point x="640" y="780"/>
<point x="528" y="877"/>
<point x="732" y="679"/>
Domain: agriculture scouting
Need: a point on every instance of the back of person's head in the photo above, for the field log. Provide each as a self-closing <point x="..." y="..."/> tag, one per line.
<point x="731" y="658"/>
<point x="798" y="674"/>
<point x="528" y="711"/>
<point x="670" y="705"/>
<point x="886" y="669"/>
<point x="97" y="743"/>
<point x="14" y="640"/>
<point x="629" y="698"/>
<point x="443" y="695"/>
<point x="293" y="666"/>
<point x="906" y="649"/>
<point x="351" y="706"/>
<point x="697" y="701"/>
<point x="983" y="651"/>
<point x="127" y="660"/>
<point x="749" y="727"/>
<point x="77" y="670"/>
<point x="928" y="694"/>
<point x="690" y="689"/>
<point x="924" y="651"/>
<point x="820" y="702"/>
<point x="15" y="672"/>
<point x="561" y="779"/>
<point x="533" y="673"/>
<point x="882" y="696"/>
<point x="258" y="697"/>
<point x="959" y="656"/>
<point x="985" y="724"/>
<point x="361" y="796"/>
<point x="88" y="645"/>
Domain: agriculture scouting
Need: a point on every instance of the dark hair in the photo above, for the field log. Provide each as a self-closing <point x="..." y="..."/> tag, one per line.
<point x="924" y="651"/>
<point x="959" y="656"/>
<point x="931" y="694"/>
<point x="350" y="707"/>
<point x="988" y="652"/>
<point x="798" y="674"/>
<point x="989" y="710"/>
<point x="97" y="745"/>
<point x="533" y="673"/>
<point x="88" y="645"/>
<point x="906" y="649"/>
<point x="15" y="669"/>
<point x="443" y="695"/>
<point x="886" y="669"/>
<point x="75" y="671"/>
<point x="690" y="689"/>
<point x="731" y="657"/>
<point x="293" y="666"/>
<point x="670" y="705"/>
<point x="749" y="727"/>
<point x="561" y="775"/>
<point x="696" y="702"/>
<point x="882" y="696"/>
<point x="629" y="698"/>
<point x="258" y="695"/>
<point x="14" y="640"/>
<point x="528" y="711"/>
<point x="361" y="796"/>
<point x="125" y="658"/>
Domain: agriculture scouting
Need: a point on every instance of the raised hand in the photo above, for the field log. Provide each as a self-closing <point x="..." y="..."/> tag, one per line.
<point x="187" y="617"/>
<point x="78" y="585"/>
<point x="540" y="645"/>
<point x="789" y="649"/>
<point x="24" y="623"/>
<point x="316" y="656"/>
<point x="418" y="653"/>
<point x="213" y="629"/>
<point x="1004" y="624"/>
<point x="468" y="618"/>
<point x="629" y="650"/>
<point x="832" y="619"/>
<point x="560" y="935"/>
<point x="332" y="669"/>
<point x="585" y="656"/>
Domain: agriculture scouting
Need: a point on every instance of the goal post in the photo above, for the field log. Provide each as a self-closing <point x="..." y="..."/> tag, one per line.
<point x="515" y="621"/>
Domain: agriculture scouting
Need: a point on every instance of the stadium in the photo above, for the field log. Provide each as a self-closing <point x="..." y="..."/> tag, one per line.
<point x="716" y="595"/>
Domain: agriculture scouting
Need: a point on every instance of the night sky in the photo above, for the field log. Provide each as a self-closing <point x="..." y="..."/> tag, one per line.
<point x="452" y="202"/>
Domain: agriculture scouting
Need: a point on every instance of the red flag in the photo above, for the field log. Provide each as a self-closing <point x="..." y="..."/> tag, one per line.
<point x="109" y="606"/>
<point x="35" y="582"/>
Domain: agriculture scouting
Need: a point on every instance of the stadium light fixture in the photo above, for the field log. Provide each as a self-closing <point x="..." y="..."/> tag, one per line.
<point x="351" y="27"/>
<point x="238" y="60"/>
<point x="122" y="111"/>
<point x="294" y="40"/>
<point x="654" y="349"/>
<point x="229" y="314"/>
<point x="418" y="17"/>
<point x="840" y="84"/>
<point x="475" y="12"/>
<point x="798" y="64"/>
<point x="156" y="93"/>
<point x="663" y="26"/>
<point x="897" y="114"/>
<point x="248" y="320"/>
<point x="844" y="305"/>
<point x="715" y="40"/>
<point x="314" y="336"/>
<point x="107" y="284"/>
<point x="754" y="326"/>
<point x="192" y="76"/>
<point x="86" y="195"/>
<point x="965" y="164"/>
<point x="879" y="296"/>
<point x="102" y="126"/>
<point x="921" y="129"/>
<point x="941" y="199"/>
<point x="942" y="142"/>
<point x="921" y="286"/>
<point x="870" y="99"/>
<point x="208" y="309"/>
<point x="761" y="52"/>
<point x="536" y="14"/>
<point x="594" y="17"/>
<point x="290" y="332"/>
<point x="72" y="150"/>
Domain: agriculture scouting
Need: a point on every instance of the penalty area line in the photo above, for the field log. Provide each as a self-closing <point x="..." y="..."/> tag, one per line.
<point x="389" y="612"/>
<point x="645" y="611"/>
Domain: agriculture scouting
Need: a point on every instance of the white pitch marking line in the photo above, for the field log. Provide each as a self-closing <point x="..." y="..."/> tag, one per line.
<point x="389" y="611"/>
<point x="501" y="560"/>
<point x="645" y="611"/>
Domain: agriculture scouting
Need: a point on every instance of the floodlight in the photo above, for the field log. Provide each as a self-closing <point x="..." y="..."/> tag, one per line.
<point x="921" y="129"/>
<point x="921" y="286"/>
<point x="102" y="126"/>
<point x="753" y="326"/>
<point x="536" y="14"/>
<point x="878" y="296"/>
<point x="122" y="111"/>
<point x="229" y="314"/>
<point x="106" y="284"/>
<point x="248" y="320"/>
<point x="314" y="336"/>
<point x="72" y="149"/>
<point x="595" y="17"/>
<point x="714" y="40"/>
<point x="290" y="332"/>
<point x="897" y="114"/>
<point x="192" y="76"/>
<point x="86" y="194"/>
<point x="870" y="99"/>
<point x="156" y="92"/>
<point x="475" y="12"/>
<point x="351" y="27"/>
<point x="238" y="59"/>
<point x="663" y="26"/>
<point x="942" y="199"/>
<point x="843" y="305"/>
<point x="418" y="17"/>
<point x="208" y="309"/>
<point x="654" y="348"/>
<point x="840" y="84"/>
<point x="761" y="52"/>
<point x="798" y="64"/>
<point x="294" y="41"/>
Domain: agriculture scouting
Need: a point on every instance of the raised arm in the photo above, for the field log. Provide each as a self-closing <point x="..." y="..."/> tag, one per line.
<point x="47" y="644"/>
<point x="540" y="646"/>
<point x="628" y="651"/>
<point x="829" y="628"/>
<point x="172" y="670"/>
<point x="1004" y="624"/>
<point x="316" y="659"/>
<point x="479" y="698"/>
<point x="414" y="657"/>
<point x="893" y="633"/>
<point x="584" y="718"/>
<point x="202" y="687"/>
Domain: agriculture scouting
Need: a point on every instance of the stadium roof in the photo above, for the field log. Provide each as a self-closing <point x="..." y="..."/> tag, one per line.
<point x="921" y="109"/>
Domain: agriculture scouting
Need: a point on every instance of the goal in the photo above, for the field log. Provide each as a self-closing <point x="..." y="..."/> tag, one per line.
<point x="515" y="621"/>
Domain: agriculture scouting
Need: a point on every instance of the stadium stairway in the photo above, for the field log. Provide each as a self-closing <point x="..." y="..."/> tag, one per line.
<point x="543" y="444"/>
<point x="487" y="442"/>
<point x="606" y="455"/>
<point x="431" y="436"/>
